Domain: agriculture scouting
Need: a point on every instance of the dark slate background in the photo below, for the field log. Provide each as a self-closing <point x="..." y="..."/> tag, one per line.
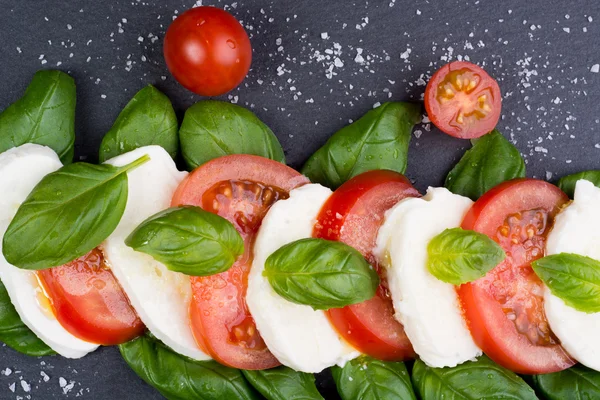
<point x="317" y="65"/>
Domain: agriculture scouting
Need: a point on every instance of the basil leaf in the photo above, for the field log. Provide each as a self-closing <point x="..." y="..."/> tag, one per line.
<point x="378" y="140"/>
<point x="567" y="183"/>
<point x="212" y="129"/>
<point x="44" y="115"/>
<point x="491" y="160"/>
<point x="15" y="333"/>
<point x="573" y="278"/>
<point x="148" y="119"/>
<point x="188" y="240"/>
<point x="321" y="273"/>
<point x="284" y="383"/>
<point x="472" y="380"/>
<point x="459" y="256"/>
<point x="366" y="378"/>
<point x="69" y="213"/>
<point x="575" y="383"/>
<point x="179" y="378"/>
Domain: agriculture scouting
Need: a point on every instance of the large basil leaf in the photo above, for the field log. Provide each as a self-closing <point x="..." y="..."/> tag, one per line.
<point x="491" y="160"/>
<point x="575" y="383"/>
<point x="472" y="380"/>
<point x="366" y="378"/>
<point x="573" y="278"/>
<point x="321" y="273"/>
<point x="378" y="140"/>
<point x="148" y="119"/>
<point x="69" y="213"/>
<point x="567" y="183"/>
<point x="15" y="333"/>
<point x="212" y="129"/>
<point x="459" y="256"/>
<point x="179" y="378"/>
<point x="188" y="240"/>
<point x="284" y="383"/>
<point x="44" y="115"/>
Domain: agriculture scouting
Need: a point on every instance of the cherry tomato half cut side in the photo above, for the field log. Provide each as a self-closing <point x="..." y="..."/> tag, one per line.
<point x="505" y="309"/>
<point x="240" y="188"/>
<point x="353" y="215"/>
<point x="463" y="101"/>
<point x="88" y="301"/>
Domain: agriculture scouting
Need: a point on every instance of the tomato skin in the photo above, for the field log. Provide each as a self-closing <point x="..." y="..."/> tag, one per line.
<point x="240" y="188"/>
<point x="353" y="215"/>
<point x="461" y="113"/>
<point x="88" y="301"/>
<point x="487" y="317"/>
<point x="207" y="51"/>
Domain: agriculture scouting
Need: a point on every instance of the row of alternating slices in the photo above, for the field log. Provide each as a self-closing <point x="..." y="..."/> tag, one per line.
<point x="112" y="294"/>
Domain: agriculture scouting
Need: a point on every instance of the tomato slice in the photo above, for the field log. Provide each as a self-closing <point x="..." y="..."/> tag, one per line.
<point x="88" y="301"/>
<point x="463" y="101"/>
<point x="353" y="215"/>
<point x="505" y="309"/>
<point x="240" y="188"/>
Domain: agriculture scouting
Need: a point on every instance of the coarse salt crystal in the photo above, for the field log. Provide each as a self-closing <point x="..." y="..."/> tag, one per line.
<point x="595" y="68"/>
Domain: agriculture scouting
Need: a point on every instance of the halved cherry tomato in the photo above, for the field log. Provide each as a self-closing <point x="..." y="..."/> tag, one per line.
<point x="240" y="188"/>
<point x="463" y="101"/>
<point x="505" y="309"/>
<point x="353" y="215"/>
<point x="89" y="302"/>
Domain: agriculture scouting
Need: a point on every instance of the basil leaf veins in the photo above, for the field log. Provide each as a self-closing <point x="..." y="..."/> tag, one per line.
<point x="69" y="213"/>
<point x="575" y="383"/>
<point x="378" y="140"/>
<point x="567" y="183"/>
<point x="321" y="273"/>
<point x="283" y="383"/>
<point x="189" y="240"/>
<point x="459" y="256"/>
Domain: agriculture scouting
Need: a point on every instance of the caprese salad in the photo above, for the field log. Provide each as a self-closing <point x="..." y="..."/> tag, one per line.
<point x="244" y="277"/>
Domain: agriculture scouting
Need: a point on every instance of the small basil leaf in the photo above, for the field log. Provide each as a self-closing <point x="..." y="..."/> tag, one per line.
<point x="567" y="183"/>
<point x="284" y="383"/>
<point x="321" y="273"/>
<point x="69" y="213"/>
<point x="459" y="256"/>
<point x="148" y="119"/>
<point x="472" y="380"/>
<point x="575" y="383"/>
<point x="15" y="333"/>
<point x="179" y="378"/>
<point x="188" y="240"/>
<point x="378" y="140"/>
<point x="491" y="160"/>
<point x="366" y="378"/>
<point x="573" y="278"/>
<point x="44" y="115"/>
<point x="212" y="129"/>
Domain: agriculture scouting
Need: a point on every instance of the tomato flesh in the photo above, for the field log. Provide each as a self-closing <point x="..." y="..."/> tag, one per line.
<point x="88" y="301"/>
<point x="463" y="101"/>
<point x="353" y="215"/>
<point x="505" y="309"/>
<point x="240" y="188"/>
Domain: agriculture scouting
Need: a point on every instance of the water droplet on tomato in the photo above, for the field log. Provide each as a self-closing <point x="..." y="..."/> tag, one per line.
<point x="231" y="44"/>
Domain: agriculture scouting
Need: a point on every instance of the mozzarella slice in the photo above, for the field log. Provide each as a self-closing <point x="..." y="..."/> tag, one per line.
<point x="300" y="337"/>
<point x="160" y="297"/>
<point x="21" y="169"/>
<point x="576" y="230"/>
<point x="428" y="308"/>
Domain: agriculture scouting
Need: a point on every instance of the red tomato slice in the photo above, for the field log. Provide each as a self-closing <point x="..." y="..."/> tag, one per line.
<point x="463" y="101"/>
<point x="505" y="309"/>
<point x="89" y="302"/>
<point x="240" y="188"/>
<point x="353" y="215"/>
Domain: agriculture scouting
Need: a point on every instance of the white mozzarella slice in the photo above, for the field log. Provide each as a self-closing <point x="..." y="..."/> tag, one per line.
<point x="576" y="230"/>
<point x="160" y="297"/>
<point x="300" y="337"/>
<point x="21" y="169"/>
<point x="428" y="308"/>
